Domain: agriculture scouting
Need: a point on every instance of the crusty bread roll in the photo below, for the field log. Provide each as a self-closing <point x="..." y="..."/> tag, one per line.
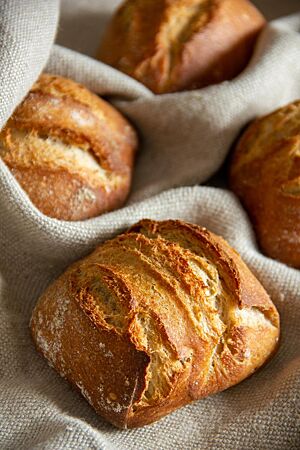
<point x="265" y="174"/>
<point x="175" y="45"/>
<point x="70" y="151"/>
<point x="162" y="315"/>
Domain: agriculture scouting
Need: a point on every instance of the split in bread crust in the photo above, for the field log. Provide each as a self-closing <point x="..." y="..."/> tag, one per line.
<point x="265" y="174"/>
<point x="175" y="45"/>
<point x="70" y="150"/>
<point x="159" y="316"/>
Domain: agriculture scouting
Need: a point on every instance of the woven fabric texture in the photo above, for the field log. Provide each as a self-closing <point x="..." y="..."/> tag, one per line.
<point x="185" y="139"/>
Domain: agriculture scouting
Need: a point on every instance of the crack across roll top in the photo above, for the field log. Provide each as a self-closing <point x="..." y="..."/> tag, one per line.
<point x="70" y="150"/>
<point x="175" y="45"/>
<point x="153" y="319"/>
<point x="265" y="174"/>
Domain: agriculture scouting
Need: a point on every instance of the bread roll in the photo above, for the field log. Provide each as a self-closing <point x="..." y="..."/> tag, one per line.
<point x="70" y="151"/>
<point x="162" y="315"/>
<point x="265" y="174"/>
<point x="176" y="45"/>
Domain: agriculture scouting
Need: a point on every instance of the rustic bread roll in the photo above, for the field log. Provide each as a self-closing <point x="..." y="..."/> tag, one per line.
<point x="175" y="45"/>
<point x="265" y="174"/>
<point x="162" y="315"/>
<point x="70" y="151"/>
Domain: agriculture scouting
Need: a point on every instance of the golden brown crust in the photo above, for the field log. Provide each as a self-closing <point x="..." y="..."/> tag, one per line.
<point x="265" y="174"/>
<point x="173" y="309"/>
<point x="71" y="151"/>
<point x="175" y="45"/>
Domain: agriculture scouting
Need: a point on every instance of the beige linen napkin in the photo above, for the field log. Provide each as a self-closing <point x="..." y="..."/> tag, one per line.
<point x="185" y="138"/>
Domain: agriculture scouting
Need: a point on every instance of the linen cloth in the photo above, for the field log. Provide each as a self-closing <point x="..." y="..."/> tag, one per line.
<point x="185" y="138"/>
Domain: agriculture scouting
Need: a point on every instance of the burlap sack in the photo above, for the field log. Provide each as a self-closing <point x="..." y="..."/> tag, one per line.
<point x="185" y="138"/>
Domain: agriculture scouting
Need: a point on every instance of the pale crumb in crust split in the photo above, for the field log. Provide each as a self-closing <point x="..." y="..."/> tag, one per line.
<point x="181" y="21"/>
<point x="42" y="151"/>
<point x="174" y="294"/>
<point x="252" y="317"/>
<point x="70" y="150"/>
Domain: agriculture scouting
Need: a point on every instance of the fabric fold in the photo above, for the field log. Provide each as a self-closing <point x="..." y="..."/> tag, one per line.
<point x="185" y="138"/>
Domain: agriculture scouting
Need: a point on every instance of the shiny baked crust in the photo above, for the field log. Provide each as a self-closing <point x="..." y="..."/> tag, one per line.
<point x="70" y="150"/>
<point x="265" y="174"/>
<point x="161" y="315"/>
<point x="175" y="45"/>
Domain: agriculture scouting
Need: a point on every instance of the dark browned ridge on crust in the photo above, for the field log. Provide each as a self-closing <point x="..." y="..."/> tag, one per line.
<point x="162" y="315"/>
<point x="70" y="150"/>
<point x="176" y="45"/>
